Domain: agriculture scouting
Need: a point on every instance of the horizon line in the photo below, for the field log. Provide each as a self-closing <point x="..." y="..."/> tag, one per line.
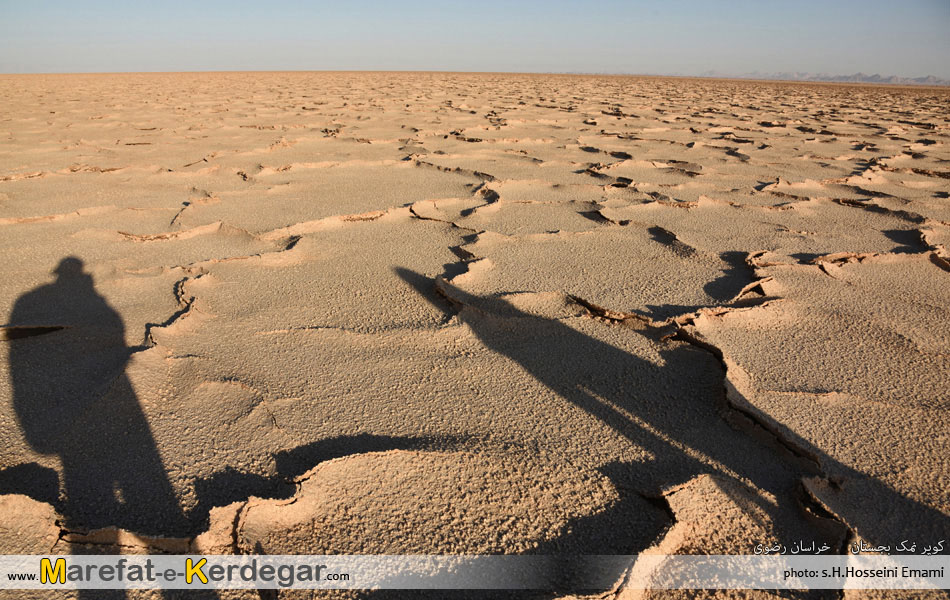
<point x="750" y="77"/>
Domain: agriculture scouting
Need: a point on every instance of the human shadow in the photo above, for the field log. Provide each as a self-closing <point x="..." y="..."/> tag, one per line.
<point x="72" y="398"/>
<point x="674" y="407"/>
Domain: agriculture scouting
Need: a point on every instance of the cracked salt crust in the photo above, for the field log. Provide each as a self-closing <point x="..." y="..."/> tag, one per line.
<point x="571" y="314"/>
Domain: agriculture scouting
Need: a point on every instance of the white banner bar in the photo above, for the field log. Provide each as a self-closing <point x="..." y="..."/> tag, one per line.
<point x="562" y="573"/>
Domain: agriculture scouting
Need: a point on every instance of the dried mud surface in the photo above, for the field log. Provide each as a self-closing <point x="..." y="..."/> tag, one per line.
<point x="444" y="313"/>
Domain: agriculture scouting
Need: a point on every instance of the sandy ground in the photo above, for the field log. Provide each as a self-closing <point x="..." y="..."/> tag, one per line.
<point x="445" y="313"/>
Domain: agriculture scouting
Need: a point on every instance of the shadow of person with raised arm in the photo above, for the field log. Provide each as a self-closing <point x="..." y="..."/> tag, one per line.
<point x="669" y="405"/>
<point x="672" y="405"/>
<point x="72" y="398"/>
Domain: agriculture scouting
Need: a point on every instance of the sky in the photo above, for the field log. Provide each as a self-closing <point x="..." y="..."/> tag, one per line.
<point x="685" y="37"/>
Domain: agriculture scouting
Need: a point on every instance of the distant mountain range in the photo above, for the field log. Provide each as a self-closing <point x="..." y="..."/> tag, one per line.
<point x="856" y="78"/>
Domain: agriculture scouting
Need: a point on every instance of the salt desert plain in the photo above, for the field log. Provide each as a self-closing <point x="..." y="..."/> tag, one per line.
<point x="410" y="313"/>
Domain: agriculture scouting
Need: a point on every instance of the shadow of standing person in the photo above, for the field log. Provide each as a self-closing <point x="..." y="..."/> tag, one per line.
<point x="73" y="399"/>
<point x="675" y="409"/>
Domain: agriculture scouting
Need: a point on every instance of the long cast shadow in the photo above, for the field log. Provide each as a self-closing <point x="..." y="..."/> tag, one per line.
<point x="73" y="400"/>
<point x="679" y="416"/>
<point x="672" y="411"/>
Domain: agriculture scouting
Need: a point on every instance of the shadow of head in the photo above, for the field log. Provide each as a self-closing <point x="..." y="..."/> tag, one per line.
<point x="69" y="267"/>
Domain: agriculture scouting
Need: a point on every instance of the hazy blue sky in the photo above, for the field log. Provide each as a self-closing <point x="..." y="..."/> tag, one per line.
<point x="903" y="37"/>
